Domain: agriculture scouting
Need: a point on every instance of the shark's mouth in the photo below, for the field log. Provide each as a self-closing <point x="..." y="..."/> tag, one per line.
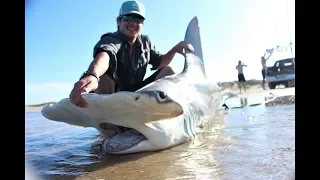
<point x="120" y="138"/>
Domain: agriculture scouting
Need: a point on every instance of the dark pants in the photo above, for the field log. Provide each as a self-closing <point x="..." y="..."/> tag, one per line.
<point x="145" y="82"/>
<point x="263" y="72"/>
<point x="241" y="78"/>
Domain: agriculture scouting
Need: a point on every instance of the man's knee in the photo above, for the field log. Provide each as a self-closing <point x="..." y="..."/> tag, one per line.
<point x="106" y="85"/>
<point x="165" y="71"/>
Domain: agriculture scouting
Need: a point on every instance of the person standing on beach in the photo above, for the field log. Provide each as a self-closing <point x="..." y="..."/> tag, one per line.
<point x="264" y="66"/>
<point x="241" y="78"/>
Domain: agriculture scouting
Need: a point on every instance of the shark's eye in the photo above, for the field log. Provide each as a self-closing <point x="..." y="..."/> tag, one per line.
<point x="161" y="95"/>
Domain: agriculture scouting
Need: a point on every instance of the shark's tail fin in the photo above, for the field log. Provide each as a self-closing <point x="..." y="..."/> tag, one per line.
<point x="192" y="36"/>
<point x="226" y="94"/>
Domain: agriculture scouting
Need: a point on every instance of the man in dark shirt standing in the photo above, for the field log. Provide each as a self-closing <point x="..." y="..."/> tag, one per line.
<point x="121" y="58"/>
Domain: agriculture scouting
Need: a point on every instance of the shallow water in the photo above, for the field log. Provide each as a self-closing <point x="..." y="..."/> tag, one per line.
<point x="248" y="143"/>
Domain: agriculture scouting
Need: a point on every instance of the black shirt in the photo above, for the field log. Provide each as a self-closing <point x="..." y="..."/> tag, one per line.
<point x="127" y="68"/>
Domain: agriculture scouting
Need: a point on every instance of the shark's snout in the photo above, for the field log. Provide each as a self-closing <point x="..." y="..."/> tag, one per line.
<point x="133" y="96"/>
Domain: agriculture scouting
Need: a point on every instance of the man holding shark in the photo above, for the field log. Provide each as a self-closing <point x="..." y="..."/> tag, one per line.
<point x="160" y="115"/>
<point x="121" y="58"/>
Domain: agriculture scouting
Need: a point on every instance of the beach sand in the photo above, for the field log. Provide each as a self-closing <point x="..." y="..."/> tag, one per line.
<point x="270" y="97"/>
<point x="37" y="108"/>
<point x="257" y="90"/>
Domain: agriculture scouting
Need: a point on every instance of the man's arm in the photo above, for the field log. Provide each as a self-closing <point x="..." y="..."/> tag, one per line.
<point x="167" y="58"/>
<point x="270" y="53"/>
<point x="104" y="54"/>
<point x="100" y="64"/>
<point x="268" y="56"/>
<point x="159" y="61"/>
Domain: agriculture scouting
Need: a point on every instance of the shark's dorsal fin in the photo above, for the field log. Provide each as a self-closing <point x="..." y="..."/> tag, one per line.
<point x="192" y="36"/>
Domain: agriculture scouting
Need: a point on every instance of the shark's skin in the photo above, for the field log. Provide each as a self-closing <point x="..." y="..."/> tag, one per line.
<point x="167" y="111"/>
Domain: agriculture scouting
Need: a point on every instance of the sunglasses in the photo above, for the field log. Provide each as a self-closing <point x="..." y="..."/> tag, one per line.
<point x="132" y="19"/>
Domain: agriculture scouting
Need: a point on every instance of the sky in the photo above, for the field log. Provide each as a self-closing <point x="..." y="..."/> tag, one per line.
<point x="60" y="36"/>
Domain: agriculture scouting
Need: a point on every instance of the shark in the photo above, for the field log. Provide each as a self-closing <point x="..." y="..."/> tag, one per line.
<point x="160" y="115"/>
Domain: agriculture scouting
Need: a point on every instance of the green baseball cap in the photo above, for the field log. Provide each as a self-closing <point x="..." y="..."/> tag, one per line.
<point x="132" y="7"/>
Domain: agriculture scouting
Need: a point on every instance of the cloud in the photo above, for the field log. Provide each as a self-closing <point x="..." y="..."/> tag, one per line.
<point x="36" y="93"/>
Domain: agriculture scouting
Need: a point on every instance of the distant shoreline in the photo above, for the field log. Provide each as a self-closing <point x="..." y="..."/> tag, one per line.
<point x="252" y="86"/>
<point x="38" y="106"/>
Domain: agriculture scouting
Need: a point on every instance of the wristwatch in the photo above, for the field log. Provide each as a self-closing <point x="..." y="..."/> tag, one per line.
<point x="85" y="74"/>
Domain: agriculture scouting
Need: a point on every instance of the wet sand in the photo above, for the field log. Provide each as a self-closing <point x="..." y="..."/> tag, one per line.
<point x="249" y="145"/>
<point x="246" y="144"/>
<point x="256" y="91"/>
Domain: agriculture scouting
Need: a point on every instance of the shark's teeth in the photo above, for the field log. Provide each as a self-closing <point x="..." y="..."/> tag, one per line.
<point x="123" y="141"/>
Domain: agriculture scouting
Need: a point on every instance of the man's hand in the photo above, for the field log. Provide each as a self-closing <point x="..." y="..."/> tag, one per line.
<point x="84" y="85"/>
<point x="183" y="45"/>
<point x="167" y="58"/>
